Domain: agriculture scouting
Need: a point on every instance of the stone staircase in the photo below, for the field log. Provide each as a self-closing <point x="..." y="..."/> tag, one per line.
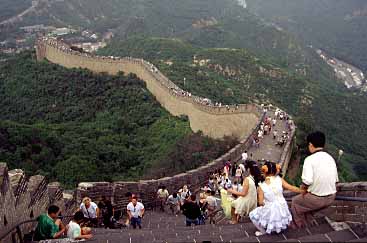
<point x="167" y="228"/>
<point x="23" y="198"/>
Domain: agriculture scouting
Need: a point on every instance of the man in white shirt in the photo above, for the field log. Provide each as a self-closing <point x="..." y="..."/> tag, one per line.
<point x="319" y="178"/>
<point x="74" y="231"/>
<point x="90" y="211"/>
<point x="244" y="156"/>
<point x="243" y="169"/>
<point x="135" y="211"/>
<point x="174" y="202"/>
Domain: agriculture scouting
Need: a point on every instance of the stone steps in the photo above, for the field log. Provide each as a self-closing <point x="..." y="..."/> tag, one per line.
<point x="243" y="232"/>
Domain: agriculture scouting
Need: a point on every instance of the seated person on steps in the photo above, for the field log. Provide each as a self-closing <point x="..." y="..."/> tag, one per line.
<point x="49" y="226"/>
<point x="273" y="214"/>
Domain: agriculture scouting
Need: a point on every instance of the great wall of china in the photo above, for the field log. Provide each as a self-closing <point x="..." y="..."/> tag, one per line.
<point x="213" y="121"/>
<point x="23" y="198"/>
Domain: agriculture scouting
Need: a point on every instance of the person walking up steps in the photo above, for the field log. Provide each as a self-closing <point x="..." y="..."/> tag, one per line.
<point x="273" y="215"/>
<point x="135" y="210"/>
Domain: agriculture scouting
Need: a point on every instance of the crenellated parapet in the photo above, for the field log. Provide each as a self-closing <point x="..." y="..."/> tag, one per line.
<point x="23" y="198"/>
<point x="213" y="120"/>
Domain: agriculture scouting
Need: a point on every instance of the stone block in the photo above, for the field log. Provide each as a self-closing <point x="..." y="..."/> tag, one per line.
<point x="361" y="210"/>
<point x="354" y="218"/>
<point x="346" y="193"/>
<point x="362" y="194"/>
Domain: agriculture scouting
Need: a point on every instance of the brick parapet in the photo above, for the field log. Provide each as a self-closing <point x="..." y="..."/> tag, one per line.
<point x="214" y="121"/>
<point x="42" y="46"/>
<point x="347" y="207"/>
<point x="24" y="199"/>
<point x="147" y="189"/>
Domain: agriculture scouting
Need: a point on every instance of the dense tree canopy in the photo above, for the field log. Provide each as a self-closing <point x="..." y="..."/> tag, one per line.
<point x="73" y="125"/>
<point x="311" y="93"/>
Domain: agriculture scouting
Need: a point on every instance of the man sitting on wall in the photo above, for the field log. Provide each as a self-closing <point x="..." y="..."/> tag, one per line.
<point x="319" y="178"/>
<point x="49" y="226"/>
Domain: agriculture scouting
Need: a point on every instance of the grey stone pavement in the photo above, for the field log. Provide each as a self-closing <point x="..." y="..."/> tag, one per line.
<point x="268" y="150"/>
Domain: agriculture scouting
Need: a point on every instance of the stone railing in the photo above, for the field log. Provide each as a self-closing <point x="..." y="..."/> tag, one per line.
<point x="347" y="210"/>
<point x="350" y="204"/>
<point x="147" y="189"/>
<point x="213" y="120"/>
<point x="24" y="198"/>
<point x="64" y="55"/>
<point x="287" y="150"/>
<point x="160" y="77"/>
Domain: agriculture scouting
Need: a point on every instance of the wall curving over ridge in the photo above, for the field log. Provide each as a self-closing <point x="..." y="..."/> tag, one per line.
<point x="215" y="122"/>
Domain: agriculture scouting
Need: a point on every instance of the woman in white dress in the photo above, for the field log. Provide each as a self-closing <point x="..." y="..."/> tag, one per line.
<point x="273" y="215"/>
<point x="246" y="199"/>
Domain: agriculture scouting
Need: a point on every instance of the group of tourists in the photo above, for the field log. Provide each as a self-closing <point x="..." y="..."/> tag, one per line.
<point x="261" y="197"/>
<point x="269" y="127"/>
<point x="50" y="226"/>
<point x="149" y="67"/>
<point x="247" y="189"/>
<point x="88" y="215"/>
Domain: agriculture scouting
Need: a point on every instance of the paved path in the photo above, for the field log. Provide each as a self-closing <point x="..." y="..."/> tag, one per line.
<point x="268" y="150"/>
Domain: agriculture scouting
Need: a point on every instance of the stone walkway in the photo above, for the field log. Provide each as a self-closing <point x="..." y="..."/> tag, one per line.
<point x="268" y="150"/>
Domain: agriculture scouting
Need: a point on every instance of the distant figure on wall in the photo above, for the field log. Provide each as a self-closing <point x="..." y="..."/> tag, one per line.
<point x="319" y="178"/>
<point x="49" y="226"/>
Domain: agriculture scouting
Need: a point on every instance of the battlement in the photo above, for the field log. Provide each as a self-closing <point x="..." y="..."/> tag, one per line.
<point x="213" y="120"/>
<point x="24" y="198"/>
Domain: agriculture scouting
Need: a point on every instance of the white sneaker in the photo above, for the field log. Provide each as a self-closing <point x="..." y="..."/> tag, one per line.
<point x="258" y="233"/>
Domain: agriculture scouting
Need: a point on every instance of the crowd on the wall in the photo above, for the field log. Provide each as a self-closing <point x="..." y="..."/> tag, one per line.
<point x="245" y="188"/>
<point x="163" y="80"/>
<point x="268" y="127"/>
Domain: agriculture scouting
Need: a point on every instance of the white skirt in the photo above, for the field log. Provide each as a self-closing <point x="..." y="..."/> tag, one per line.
<point x="273" y="217"/>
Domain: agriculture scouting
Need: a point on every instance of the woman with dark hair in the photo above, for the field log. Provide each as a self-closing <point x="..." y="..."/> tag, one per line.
<point x="273" y="215"/>
<point x="247" y="198"/>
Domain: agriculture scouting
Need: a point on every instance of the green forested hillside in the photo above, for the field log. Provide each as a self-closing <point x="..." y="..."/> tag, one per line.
<point x="205" y="23"/>
<point x="72" y="126"/>
<point x="339" y="27"/>
<point x="237" y="76"/>
<point x="251" y="60"/>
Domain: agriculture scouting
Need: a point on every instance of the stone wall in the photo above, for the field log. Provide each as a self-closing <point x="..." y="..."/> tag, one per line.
<point x="213" y="121"/>
<point x="147" y="188"/>
<point x="349" y="211"/>
<point x="287" y="151"/>
<point x="344" y="210"/>
<point x="24" y="198"/>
